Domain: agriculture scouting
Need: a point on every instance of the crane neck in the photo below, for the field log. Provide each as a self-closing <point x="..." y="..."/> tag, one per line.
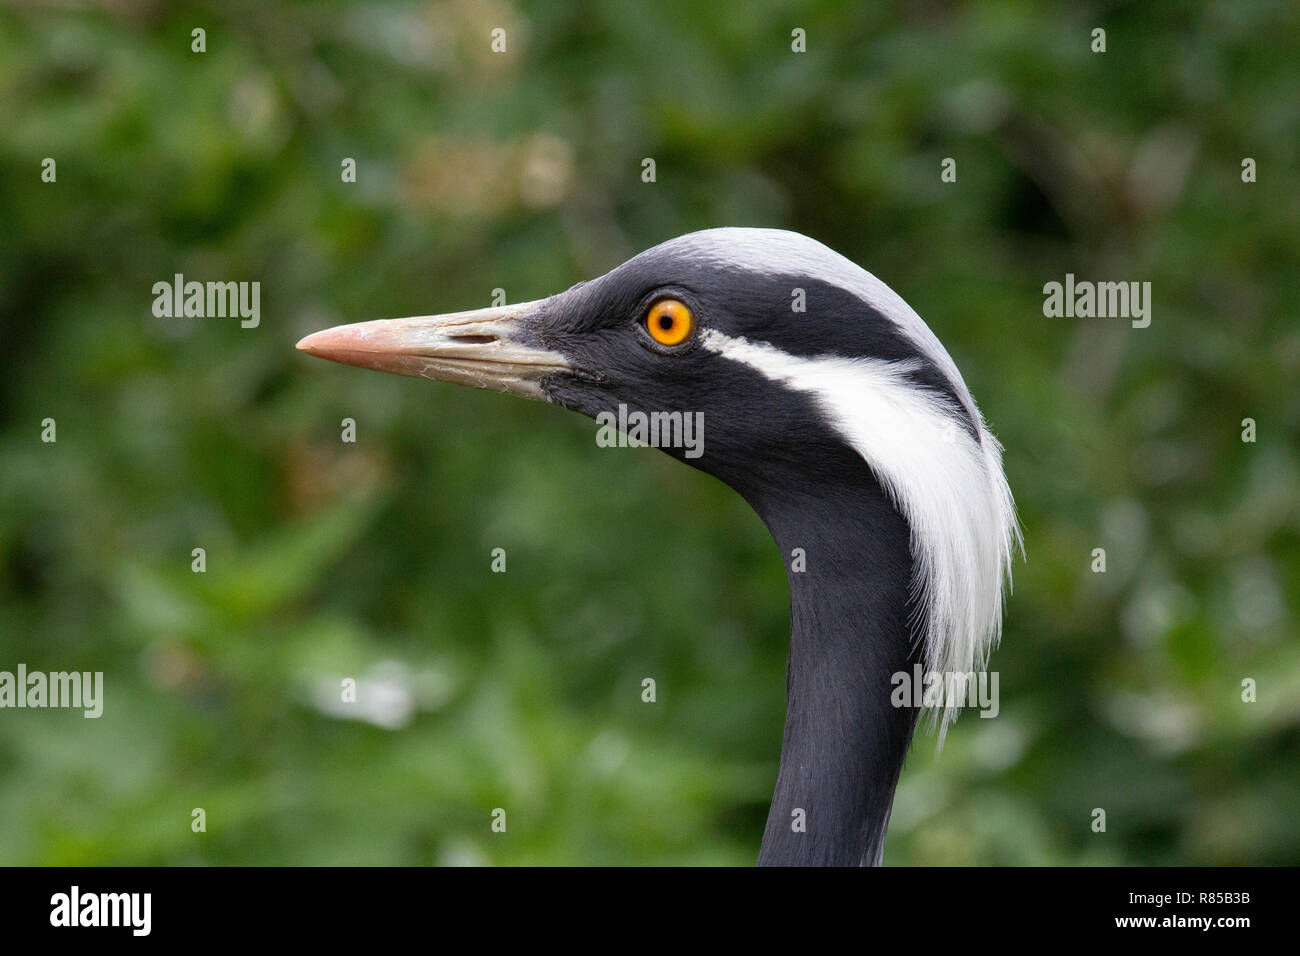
<point x="851" y="630"/>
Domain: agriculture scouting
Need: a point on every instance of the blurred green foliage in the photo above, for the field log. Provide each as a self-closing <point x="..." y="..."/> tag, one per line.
<point x="521" y="171"/>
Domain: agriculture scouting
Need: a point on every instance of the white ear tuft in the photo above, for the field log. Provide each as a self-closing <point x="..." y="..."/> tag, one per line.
<point x="947" y="484"/>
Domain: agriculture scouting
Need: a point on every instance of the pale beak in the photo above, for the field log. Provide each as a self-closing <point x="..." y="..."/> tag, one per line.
<point x="485" y="348"/>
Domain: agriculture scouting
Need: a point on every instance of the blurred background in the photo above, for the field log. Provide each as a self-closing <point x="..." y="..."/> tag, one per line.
<point x="522" y="171"/>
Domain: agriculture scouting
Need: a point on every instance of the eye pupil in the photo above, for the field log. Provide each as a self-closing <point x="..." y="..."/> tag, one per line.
<point x="665" y="322"/>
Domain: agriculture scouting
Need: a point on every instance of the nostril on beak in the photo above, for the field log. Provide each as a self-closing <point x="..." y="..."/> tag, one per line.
<point x="473" y="339"/>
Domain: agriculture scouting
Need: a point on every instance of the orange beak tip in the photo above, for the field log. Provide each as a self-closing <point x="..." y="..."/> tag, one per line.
<point x="317" y="341"/>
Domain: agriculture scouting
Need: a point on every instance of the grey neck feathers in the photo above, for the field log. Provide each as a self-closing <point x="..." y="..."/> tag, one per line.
<point x="851" y="630"/>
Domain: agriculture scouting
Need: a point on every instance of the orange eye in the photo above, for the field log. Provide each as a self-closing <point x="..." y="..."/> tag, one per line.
<point x="670" y="322"/>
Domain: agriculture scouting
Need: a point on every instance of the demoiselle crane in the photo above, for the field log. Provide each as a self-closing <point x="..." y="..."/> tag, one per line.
<point x="835" y="412"/>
